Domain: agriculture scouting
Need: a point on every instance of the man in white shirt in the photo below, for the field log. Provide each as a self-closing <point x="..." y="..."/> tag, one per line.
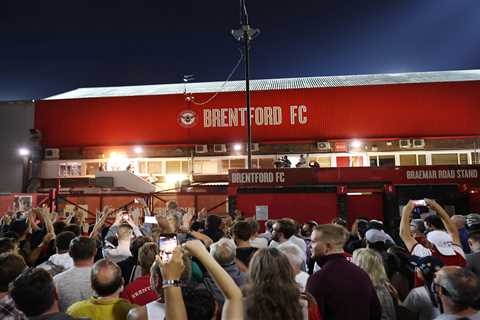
<point x="122" y="251"/>
<point x="74" y="284"/>
<point x="297" y="260"/>
<point x="284" y="230"/>
<point x="60" y="261"/>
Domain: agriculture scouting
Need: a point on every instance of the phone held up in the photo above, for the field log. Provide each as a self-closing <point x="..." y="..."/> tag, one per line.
<point x="166" y="244"/>
<point x="420" y="208"/>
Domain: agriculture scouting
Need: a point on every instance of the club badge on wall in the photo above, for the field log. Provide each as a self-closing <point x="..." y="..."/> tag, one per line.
<point x="187" y="119"/>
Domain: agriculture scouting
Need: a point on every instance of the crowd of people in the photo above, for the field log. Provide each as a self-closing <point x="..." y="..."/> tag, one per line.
<point x="223" y="267"/>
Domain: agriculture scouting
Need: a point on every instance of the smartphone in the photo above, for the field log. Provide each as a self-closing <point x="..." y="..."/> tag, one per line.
<point x="125" y="217"/>
<point x="166" y="244"/>
<point x="419" y="203"/>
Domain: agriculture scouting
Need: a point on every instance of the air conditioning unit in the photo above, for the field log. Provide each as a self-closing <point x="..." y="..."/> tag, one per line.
<point x="51" y="154"/>
<point x="201" y="148"/>
<point x="323" y="146"/>
<point x="405" y="144"/>
<point x="418" y="143"/>
<point x="219" y="148"/>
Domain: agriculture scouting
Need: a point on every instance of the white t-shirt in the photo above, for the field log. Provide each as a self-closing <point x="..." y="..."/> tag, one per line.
<point x="155" y="310"/>
<point x="299" y="242"/>
<point x="259" y="243"/>
<point x="301" y="278"/>
<point x="418" y="300"/>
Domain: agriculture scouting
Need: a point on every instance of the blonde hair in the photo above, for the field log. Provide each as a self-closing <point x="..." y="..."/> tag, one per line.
<point x="332" y="233"/>
<point x="372" y="263"/>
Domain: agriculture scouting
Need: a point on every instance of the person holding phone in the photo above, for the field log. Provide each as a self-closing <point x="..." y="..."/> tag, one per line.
<point x="444" y="245"/>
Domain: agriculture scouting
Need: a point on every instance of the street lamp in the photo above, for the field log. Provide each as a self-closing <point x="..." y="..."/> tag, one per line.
<point x="24" y="153"/>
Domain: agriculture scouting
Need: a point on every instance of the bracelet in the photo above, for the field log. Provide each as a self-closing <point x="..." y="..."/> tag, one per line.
<point x="171" y="283"/>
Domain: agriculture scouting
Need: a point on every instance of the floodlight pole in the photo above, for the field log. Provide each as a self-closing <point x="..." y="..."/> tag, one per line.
<point x="246" y="34"/>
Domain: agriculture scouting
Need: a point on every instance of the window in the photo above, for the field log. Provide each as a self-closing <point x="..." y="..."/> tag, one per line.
<point x="445" y="159"/>
<point x="205" y="167"/>
<point x="155" y="167"/>
<point x="185" y="167"/>
<point x="173" y="167"/>
<point x="373" y="161"/>
<point x="142" y="167"/>
<point x="422" y="160"/>
<point x="408" y="160"/>
<point x="70" y="169"/>
<point x="324" y="162"/>
<point x="386" y="161"/>
<point x="91" y="168"/>
<point x="463" y="157"/>
<point x="475" y="158"/>
<point x="237" y="164"/>
<point x="356" y="161"/>
<point x="266" y="163"/>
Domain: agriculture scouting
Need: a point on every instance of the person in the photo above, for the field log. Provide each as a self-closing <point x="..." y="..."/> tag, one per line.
<point x="74" y="284"/>
<point x="457" y="290"/>
<point x="35" y="295"/>
<point x="105" y="304"/>
<point x="130" y="267"/>
<point x="271" y="291"/>
<point x="297" y="260"/>
<point x="212" y="228"/>
<point x="268" y="230"/>
<point x="224" y="252"/>
<point x="11" y="265"/>
<point x="233" y="306"/>
<point x="421" y="299"/>
<point x="341" y="289"/>
<point x="377" y="240"/>
<point x="459" y="222"/>
<point x="8" y="245"/>
<point x="139" y="291"/>
<point x="242" y="232"/>
<point x="286" y="162"/>
<point x="473" y="258"/>
<point x="285" y="230"/>
<point x="302" y="162"/>
<point x="255" y="240"/>
<point x="122" y="251"/>
<point x="372" y="263"/>
<point x="444" y="244"/>
<point x="61" y="260"/>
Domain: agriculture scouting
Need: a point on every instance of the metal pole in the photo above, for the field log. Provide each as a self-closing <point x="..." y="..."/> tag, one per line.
<point x="246" y="38"/>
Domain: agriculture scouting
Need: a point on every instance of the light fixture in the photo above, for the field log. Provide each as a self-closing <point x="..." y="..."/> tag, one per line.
<point x="356" y="144"/>
<point x="138" y="149"/>
<point x="237" y="147"/>
<point x="23" y="152"/>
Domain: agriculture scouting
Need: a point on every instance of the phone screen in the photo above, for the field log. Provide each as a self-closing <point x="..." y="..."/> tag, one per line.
<point x="167" y="244"/>
<point x="420" y="203"/>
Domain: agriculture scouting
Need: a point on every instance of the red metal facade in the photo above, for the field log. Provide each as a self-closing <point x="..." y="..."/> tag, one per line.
<point x="384" y="111"/>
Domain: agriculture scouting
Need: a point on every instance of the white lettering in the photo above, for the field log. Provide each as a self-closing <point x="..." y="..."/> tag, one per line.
<point x="293" y="114"/>
<point x="207" y="118"/>
<point x="302" y="119"/>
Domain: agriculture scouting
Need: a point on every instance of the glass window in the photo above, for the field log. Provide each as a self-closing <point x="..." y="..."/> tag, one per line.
<point x="373" y="161"/>
<point x="463" y="158"/>
<point x="408" y="160"/>
<point x="237" y="164"/>
<point x="266" y="163"/>
<point x="205" y="166"/>
<point x="356" y="161"/>
<point x="386" y="161"/>
<point x="70" y="169"/>
<point x="155" y="167"/>
<point x="324" y="162"/>
<point x="475" y="158"/>
<point x="445" y="159"/>
<point x="185" y="167"/>
<point x="422" y="160"/>
<point x="225" y="165"/>
<point x="91" y="168"/>
<point x="142" y="167"/>
<point x="173" y="167"/>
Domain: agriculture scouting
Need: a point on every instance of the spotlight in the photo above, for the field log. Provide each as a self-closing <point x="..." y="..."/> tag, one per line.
<point x="356" y="144"/>
<point x="23" y="152"/>
<point x="237" y="147"/>
<point x="138" y="150"/>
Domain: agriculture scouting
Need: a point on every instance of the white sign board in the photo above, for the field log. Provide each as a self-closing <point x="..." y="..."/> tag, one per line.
<point x="261" y="213"/>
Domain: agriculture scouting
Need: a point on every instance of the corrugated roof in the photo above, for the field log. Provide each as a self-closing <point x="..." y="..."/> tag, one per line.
<point x="273" y="84"/>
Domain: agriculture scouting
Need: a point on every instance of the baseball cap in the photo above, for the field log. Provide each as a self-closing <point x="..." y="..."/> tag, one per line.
<point x="472" y="221"/>
<point x="428" y="265"/>
<point x="374" y="235"/>
<point x="442" y="242"/>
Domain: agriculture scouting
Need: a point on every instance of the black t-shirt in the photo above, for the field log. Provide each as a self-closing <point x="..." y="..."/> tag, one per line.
<point x="245" y="254"/>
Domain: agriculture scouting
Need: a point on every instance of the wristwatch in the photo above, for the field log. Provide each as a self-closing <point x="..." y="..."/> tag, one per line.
<point x="171" y="283"/>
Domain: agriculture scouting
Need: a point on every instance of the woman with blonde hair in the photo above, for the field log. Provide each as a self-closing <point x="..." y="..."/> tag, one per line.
<point x="371" y="262"/>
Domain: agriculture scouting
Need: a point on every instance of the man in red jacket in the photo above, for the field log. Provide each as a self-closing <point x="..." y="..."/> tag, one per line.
<point x="342" y="290"/>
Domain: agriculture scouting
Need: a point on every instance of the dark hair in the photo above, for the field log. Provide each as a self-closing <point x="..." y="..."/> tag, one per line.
<point x="271" y="291"/>
<point x="340" y="221"/>
<point x="254" y="226"/>
<point x="287" y="227"/>
<point x="474" y="236"/>
<point x="62" y="241"/>
<point x="111" y="281"/>
<point x="377" y="225"/>
<point x="11" y="265"/>
<point x="6" y="245"/>
<point x="59" y="226"/>
<point x="33" y="292"/>
<point x="82" y="248"/>
<point x="75" y="228"/>
<point x="146" y="256"/>
<point x="419" y="225"/>
<point x="269" y="225"/>
<point x="362" y="227"/>
<point x="137" y="244"/>
<point x="19" y="227"/>
<point x="199" y="304"/>
<point x="435" y="221"/>
<point x="461" y="285"/>
<point x="213" y="221"/>
<point x="242" y="230"/>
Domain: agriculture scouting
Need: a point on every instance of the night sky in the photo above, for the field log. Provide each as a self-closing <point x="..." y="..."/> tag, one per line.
<point x="49" y="47"/>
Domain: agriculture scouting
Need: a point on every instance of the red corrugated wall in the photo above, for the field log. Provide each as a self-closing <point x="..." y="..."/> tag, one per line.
<point x="386" y="111"/>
